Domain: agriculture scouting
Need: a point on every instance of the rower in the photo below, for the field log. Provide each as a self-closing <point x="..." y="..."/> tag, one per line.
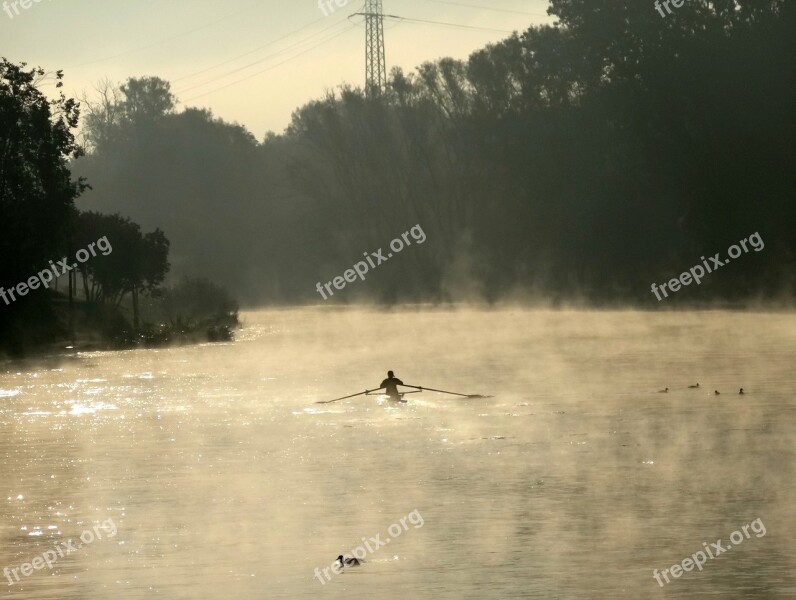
<point x="391" y="386"/>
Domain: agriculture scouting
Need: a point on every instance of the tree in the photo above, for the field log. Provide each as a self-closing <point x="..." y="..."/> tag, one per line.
<point x="147" y="99"/>
<point x="103" y="117"/>
<point x="121" y="113"/>
<point x="197" y="301"/>
<point x="37" y="192"/>
<point x="137" y="263"/>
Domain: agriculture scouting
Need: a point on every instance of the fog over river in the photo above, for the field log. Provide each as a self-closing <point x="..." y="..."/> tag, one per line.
<point x="222" y="477"/>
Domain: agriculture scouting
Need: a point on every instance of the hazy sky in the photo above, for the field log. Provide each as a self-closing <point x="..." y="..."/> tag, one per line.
<point x="185" y="41"/>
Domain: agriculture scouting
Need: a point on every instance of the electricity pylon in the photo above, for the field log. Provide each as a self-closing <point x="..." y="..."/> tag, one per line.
<point x="375" y="60"/>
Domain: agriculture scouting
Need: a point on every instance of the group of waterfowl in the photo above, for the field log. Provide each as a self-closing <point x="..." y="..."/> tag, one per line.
<point x="696" y="387"/>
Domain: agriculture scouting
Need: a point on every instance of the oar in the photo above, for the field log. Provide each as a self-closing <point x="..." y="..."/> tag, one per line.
<point x="347" y="397"/>
<point x="417" y="387"/>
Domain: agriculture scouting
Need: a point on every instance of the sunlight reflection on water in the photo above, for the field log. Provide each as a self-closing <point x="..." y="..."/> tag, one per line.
<point x="575" y="480"/>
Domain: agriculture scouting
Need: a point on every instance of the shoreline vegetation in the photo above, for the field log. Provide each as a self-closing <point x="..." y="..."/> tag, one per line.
<point x="49" y="326"/>
<point x="115" y="294"/>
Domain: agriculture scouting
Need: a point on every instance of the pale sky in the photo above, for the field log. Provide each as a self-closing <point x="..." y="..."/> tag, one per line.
<point x="185" y="42"/>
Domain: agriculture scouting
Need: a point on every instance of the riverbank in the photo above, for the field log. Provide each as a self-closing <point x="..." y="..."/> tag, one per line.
<point x="48" y="326"/>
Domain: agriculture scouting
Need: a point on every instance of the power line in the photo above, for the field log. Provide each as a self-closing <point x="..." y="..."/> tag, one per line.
<point x="233" y="59"/>
<point x="328" y="39"/>
<point x="408" y="19"/>
<point x="505" y="10"/>
<point x="273" y="66"/>
<point x="443" y="23"/>
<point x="299" y="43"/>
<point x="277" y="53"/>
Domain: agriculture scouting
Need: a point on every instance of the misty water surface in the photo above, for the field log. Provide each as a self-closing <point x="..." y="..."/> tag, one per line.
<point x="576" y="480"/>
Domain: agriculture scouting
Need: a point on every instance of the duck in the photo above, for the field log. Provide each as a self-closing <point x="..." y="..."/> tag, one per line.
<point x="741" y="393"/>
<point x="716" y="393"/>
<point x="349" y="562"/>
<point x="664" y="391"/>
<point x="693" y="387"/>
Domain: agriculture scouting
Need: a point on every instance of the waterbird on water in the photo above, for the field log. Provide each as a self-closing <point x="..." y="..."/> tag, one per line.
<point x="716" y="392"/>
<point x="741" y="392"/>
<point x="664" y="391"/>
<point x="349" y="562"/>
<point x="693" y="387"/>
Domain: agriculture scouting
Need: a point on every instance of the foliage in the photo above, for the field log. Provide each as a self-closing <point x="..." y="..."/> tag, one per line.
<point x="589" y="158"/>
<point x="198" y="302"/>
<point x="37" y="193"/>
<point x="137" y="262"/>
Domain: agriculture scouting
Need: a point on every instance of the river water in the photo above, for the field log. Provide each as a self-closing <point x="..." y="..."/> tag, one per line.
<point x="221" y="477"/>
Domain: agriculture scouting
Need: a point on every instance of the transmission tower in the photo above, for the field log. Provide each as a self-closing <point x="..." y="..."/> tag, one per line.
<point x="375" y="60"/>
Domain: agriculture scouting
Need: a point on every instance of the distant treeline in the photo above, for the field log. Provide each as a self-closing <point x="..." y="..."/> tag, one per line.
<point x="589" y="160"/>
<point x="56" y="288"/>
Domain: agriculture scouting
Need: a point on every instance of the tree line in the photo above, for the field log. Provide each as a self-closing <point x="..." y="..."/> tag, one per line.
<point x="584" y="160"/>
<point x="41" y="223"/>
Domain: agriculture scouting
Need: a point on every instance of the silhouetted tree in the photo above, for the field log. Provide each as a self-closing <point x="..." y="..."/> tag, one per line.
<point x="37" y="191"/>
<point x="137" y="263"/>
